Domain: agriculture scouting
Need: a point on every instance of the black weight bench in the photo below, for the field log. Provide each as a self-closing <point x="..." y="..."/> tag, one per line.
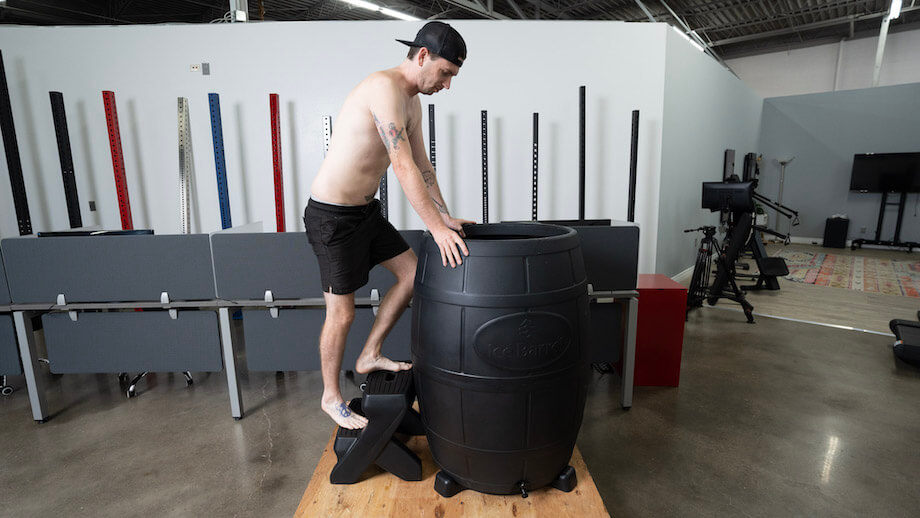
<point x="770" y="268"/>
<point x="387" y="404"/>
<point x="907" y="340"/>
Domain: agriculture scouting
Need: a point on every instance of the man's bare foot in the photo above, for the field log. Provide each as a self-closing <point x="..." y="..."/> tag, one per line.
<point x="344" y="416"/>
<point x="366" y="364"/>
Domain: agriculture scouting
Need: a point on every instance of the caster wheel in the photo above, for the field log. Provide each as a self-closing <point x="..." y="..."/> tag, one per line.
<point x="7" y="390"/>
<point x="131" y="392"/>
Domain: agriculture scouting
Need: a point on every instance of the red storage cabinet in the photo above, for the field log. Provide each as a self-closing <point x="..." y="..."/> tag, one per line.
<point x="659" y="330"/>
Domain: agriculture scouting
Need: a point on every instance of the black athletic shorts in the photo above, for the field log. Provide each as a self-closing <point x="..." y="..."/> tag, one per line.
<point x="349" y="241"/>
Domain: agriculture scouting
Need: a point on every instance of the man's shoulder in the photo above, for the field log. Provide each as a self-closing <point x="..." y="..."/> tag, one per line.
<point x="381" y="81"/>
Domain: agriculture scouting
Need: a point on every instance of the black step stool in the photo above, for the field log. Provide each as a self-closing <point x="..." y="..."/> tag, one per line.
<point x="387" y="404"/>
<point x="907" y="344"/>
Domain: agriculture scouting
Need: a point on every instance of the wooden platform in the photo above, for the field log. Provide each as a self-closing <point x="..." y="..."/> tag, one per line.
<point x="381" y="494"/>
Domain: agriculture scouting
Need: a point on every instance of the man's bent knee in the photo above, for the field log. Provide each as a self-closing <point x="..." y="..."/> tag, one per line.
<point x="340" y="317"/>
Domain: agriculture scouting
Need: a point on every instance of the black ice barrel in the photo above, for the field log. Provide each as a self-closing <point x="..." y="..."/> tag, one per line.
<point x="500" y="353"/>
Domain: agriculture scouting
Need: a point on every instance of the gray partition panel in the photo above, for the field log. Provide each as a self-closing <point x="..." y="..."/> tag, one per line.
<point x="109" y="268"/>
<point x="9" y="351"/>
<point x="291" y="341"/>
<point x="611" y="256"/>
<point x="606" y="332"/>
<point x="245" y="265"/>
<point x="4" y="288"/>
<point x="133" y="341"/>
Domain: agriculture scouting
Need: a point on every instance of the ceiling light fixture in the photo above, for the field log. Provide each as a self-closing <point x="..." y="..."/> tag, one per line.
<point x="895" y="9"/>
<point x="370" y="6"/>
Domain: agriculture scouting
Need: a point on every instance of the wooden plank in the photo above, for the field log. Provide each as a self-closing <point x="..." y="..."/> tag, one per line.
<point x="381" y="494"/>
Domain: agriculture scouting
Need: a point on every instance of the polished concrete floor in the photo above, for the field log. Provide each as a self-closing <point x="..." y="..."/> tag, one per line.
<point x="777" y="418"/>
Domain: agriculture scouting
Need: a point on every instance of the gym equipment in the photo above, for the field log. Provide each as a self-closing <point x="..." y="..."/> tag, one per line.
<point x="728" y="164"/>
<point x="700" y="288"/>
<point x="186" y="166"/>
<point x="500" y="350"/>
<point x="432" y="155"/>
<point x="485" y="167"/>
<point x="536" y="156"/>
<point x="581" y="221"/>
<point x="327" y="133"/>
<point x="13" y="163"/>
<point x="276" y="161"/>
<point x="907" y="339"/>
<point x="220" y="164"/>
<point x="63" y="143"/>
<point x="750" y="171"/>
<point x="633" y="160"/>
<point x="118" y="160"/>
<point x="387" y="403"/>
<point x="581" y="153"/>
<point x="769" y="268"/>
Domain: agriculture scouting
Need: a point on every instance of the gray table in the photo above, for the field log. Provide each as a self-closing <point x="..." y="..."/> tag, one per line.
<point x="85" y="289"/>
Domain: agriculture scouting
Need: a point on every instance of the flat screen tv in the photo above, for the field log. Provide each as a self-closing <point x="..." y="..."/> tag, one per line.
<point x="886" y="172"/>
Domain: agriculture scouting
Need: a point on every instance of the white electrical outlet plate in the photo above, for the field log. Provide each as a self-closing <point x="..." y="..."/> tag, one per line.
<point x="196" y="67"/>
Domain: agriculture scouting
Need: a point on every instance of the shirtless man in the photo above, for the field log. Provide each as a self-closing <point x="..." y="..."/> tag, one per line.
<point x="379" y="125"/>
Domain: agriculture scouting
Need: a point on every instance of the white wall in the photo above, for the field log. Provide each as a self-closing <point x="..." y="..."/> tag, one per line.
<point x="815" y="69"/>
<point x="313" y="65"/>
<point x="706" y="111"/>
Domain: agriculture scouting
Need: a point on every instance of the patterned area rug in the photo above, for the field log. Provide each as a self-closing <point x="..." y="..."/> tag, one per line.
<point x="867" y="274"/>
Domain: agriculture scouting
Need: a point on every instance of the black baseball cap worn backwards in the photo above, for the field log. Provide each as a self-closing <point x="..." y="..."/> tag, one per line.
<point x="441" y="39"/>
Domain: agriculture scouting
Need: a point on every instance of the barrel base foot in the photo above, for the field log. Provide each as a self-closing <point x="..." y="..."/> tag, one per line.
<point x="566" y="481"/>
<point x="446" y="486"/>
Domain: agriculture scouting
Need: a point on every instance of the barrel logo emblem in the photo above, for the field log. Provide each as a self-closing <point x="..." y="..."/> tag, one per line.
<point x="523" y="341"/>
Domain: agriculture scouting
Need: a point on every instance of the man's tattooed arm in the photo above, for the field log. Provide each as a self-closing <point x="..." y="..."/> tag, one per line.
<point x="390" y="134"/>
<point x="442" y="208"/>
<point x="428" y="176"/>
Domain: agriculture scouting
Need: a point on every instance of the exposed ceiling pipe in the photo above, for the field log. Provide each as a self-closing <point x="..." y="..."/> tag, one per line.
<point x="478" y="8"/>
<point x="693" y="34"/>
<point x="646" y="11"/>
<point x="893" y="12"/>
<point x="806" y="26"/>
<point x="517" y="9"/>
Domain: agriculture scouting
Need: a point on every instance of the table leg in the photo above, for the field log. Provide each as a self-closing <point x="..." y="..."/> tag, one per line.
<point x="34" y="381"/>
<point x="226" y="342"/>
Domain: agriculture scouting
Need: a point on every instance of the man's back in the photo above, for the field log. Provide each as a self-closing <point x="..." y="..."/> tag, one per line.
<point x="357" y="157"/>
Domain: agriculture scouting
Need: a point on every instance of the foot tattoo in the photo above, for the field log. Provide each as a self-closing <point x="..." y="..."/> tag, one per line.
<point x="343" y="409"/>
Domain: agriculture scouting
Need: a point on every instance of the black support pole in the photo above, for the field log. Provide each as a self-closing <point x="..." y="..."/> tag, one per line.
<point x="536" y="155"/>
<point x="897" y="229"/>
<point x="432" y="155"/>
<point x="485" y="167"/>
<point x="63" y="143"/>
<point x="633" y="161"/>
<point x="881" y="216"/>
<point x="581" y="153"/>
<point x="13" y="163"/>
